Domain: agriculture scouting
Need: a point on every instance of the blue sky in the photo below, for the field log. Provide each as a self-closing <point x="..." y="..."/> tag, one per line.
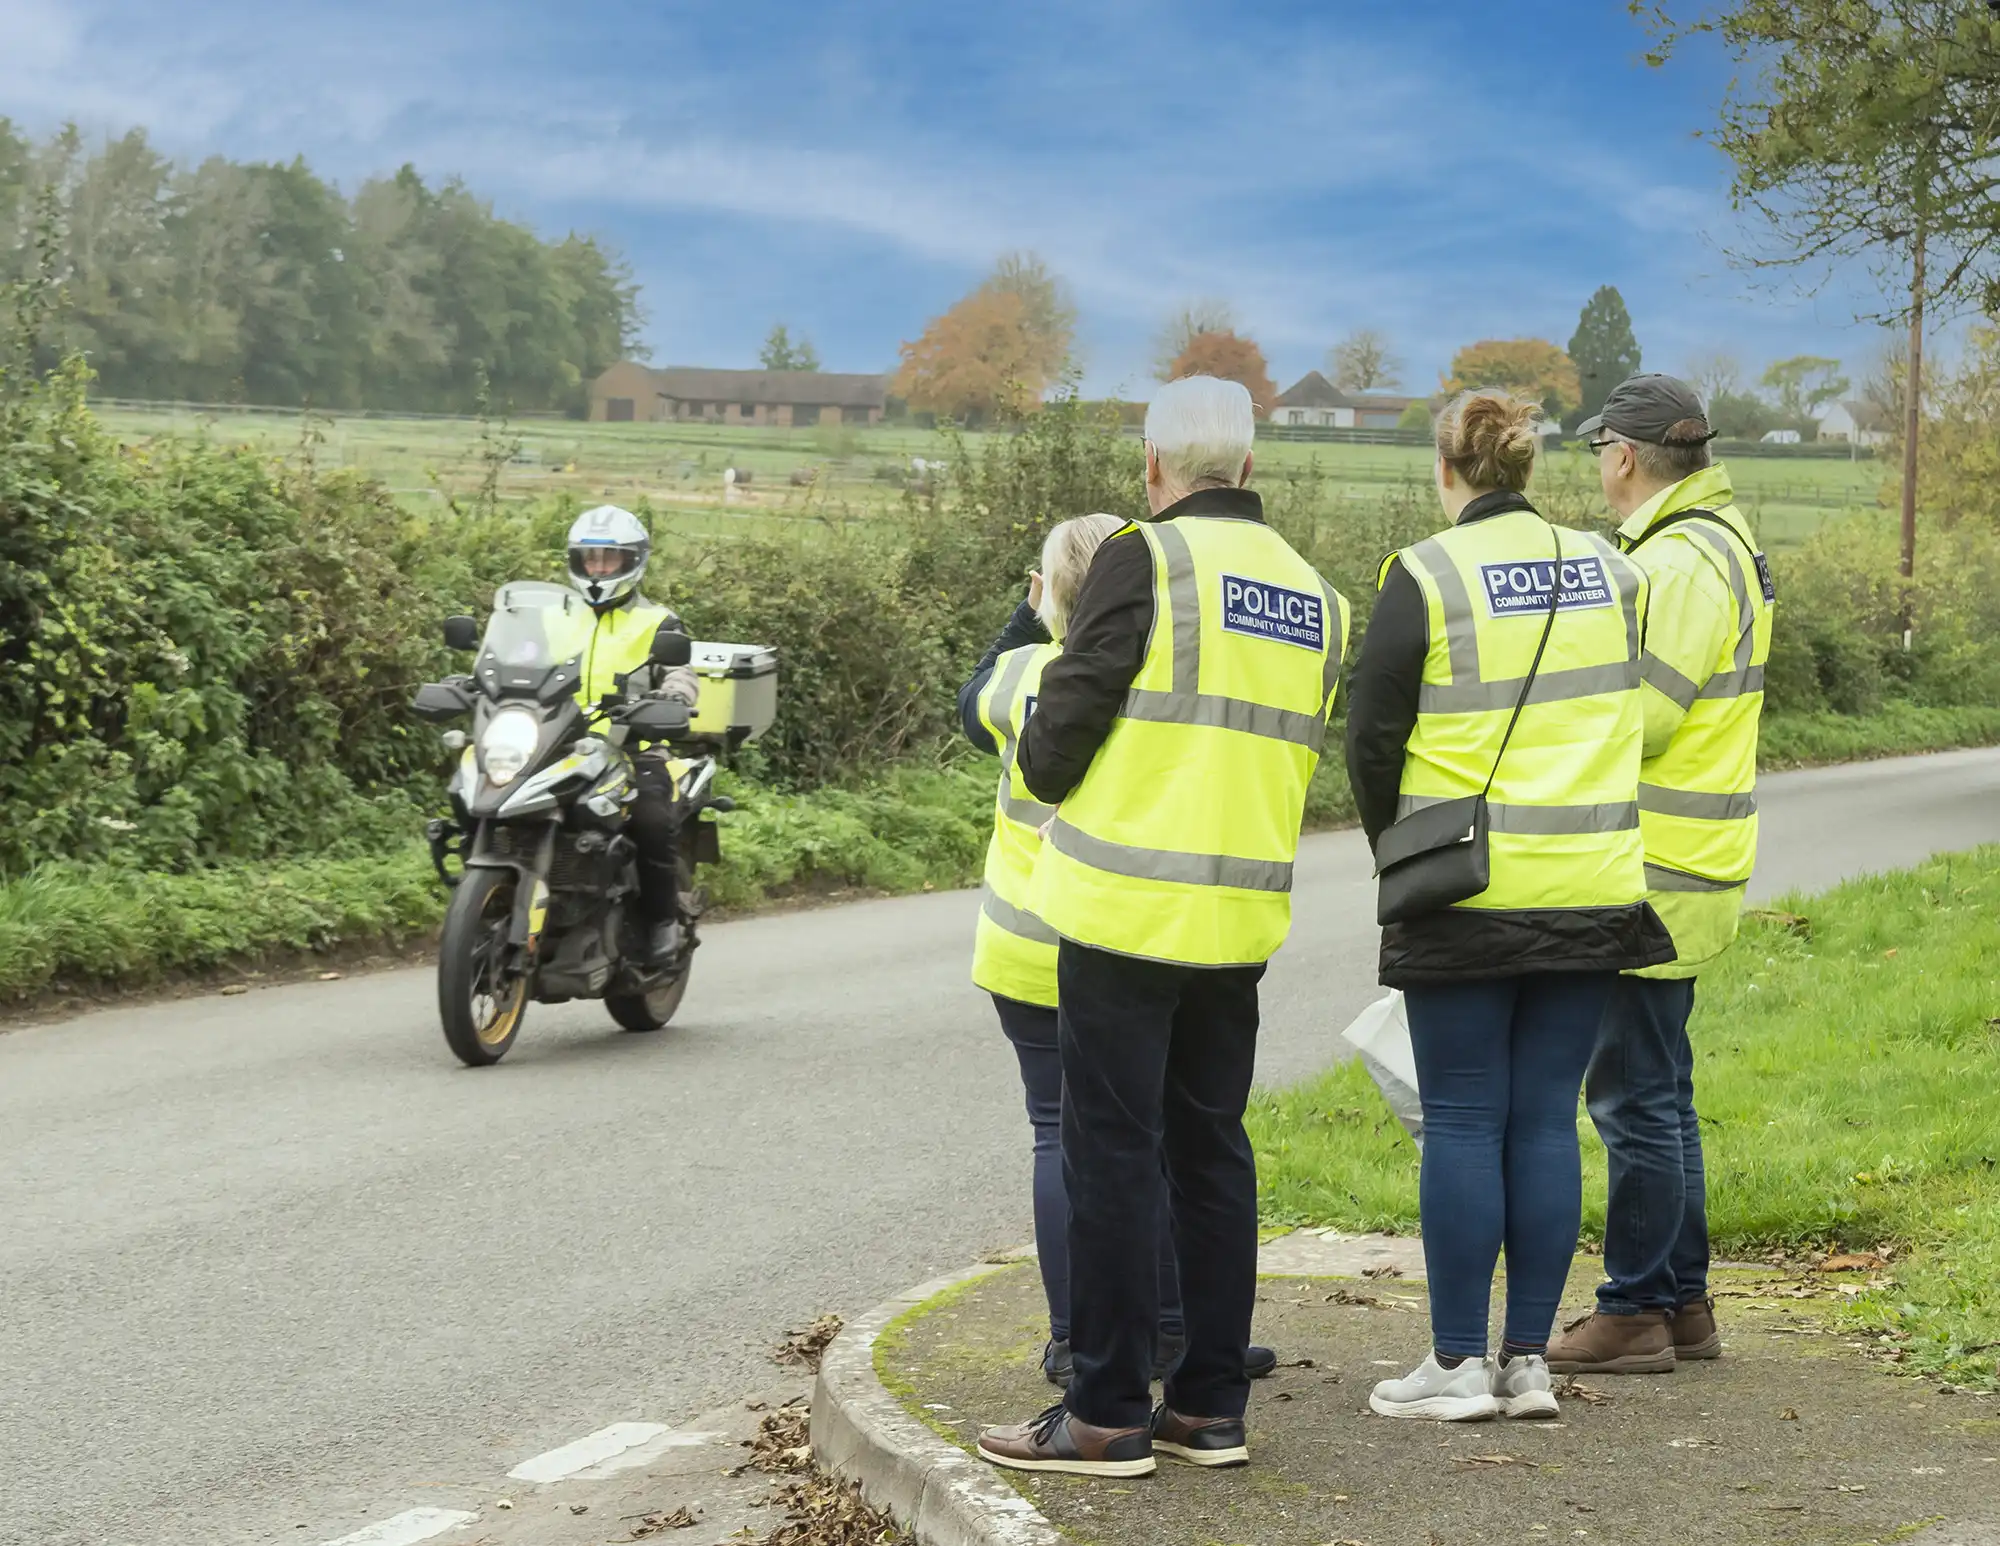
<point x="1442" y="172"/>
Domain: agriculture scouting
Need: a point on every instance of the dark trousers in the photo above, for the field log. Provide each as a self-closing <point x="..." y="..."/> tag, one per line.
<point x="1156" y="1062"/>
<point x="1641" y="1094"/>
<point x="1499" y="1064"/>
<point x="653" y="822"/>
<point x="1032" y="1030"/>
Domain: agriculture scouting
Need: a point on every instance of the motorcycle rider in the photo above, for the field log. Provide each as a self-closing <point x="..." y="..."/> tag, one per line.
<point x="608" y="549"/>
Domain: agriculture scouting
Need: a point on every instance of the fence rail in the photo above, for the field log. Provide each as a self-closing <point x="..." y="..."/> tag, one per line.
<point x="217" y="410"/>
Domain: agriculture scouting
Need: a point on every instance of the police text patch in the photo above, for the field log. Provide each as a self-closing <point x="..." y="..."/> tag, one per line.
<point x="1770" y="586"/>
<point x="1266" y="611"/>
<point x="1525" y="588"/>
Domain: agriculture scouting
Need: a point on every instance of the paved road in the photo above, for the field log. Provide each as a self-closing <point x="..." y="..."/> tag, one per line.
<point x="274" y="1266"/>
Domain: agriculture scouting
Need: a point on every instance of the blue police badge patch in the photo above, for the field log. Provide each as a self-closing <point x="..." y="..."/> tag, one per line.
<point x="1526" y="588"/>
<point x="1266" y="611"/>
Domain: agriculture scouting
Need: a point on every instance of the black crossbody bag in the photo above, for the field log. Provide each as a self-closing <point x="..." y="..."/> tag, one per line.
<point x="1437" y="856"/>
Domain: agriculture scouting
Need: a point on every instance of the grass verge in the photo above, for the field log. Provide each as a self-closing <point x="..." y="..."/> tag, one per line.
<point x="1849" y="1086"/>
<point x="1896" y="730"/>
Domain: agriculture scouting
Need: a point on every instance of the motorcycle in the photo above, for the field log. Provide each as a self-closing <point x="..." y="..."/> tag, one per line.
<point x="545" y="893"/>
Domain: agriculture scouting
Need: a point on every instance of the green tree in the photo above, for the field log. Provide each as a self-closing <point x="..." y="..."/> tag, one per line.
<point x="1864" y="130"/>
<point x="1737" y="415"/>
<point x="1804" y="384"/>
<point x="1603" y="349"/>
<point x="780" y="353"/>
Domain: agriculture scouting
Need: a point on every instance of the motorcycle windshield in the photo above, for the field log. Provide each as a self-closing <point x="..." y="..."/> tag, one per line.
<point x="537" y="632"/>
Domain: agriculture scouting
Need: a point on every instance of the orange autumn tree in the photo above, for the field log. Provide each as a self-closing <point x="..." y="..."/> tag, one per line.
<point x="1233" y="358"/>
<point x="994" y="353"/>
<point x="1528" y="367"/>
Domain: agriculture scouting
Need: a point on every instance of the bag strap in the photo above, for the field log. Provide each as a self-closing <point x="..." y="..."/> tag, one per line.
<point x="1555" y="600"/>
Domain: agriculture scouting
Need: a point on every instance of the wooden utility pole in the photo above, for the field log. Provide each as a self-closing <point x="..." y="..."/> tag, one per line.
<point x="1913" y="389"/>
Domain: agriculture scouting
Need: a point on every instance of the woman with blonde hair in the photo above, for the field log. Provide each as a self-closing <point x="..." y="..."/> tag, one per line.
<point x="1494" y="735"/>
<point x="1014" y="953"/>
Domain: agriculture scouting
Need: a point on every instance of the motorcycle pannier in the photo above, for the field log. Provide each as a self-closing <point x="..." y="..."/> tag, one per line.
<point x="739" y="691"/>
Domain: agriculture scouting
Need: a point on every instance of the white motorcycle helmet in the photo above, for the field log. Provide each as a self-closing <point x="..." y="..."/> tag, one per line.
<point x="608" y="549"/>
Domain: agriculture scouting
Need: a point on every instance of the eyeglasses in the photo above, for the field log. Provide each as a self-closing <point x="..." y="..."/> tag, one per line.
<point x="1596" y="447"/>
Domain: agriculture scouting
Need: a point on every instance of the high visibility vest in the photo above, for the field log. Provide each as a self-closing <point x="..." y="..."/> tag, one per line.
<point x="1014" y="952"/>
<point x="620" y="642"/>
<point x="1179" y="842"/>
<point x="1564" y="815"/>
<point x="1698" y="797"/>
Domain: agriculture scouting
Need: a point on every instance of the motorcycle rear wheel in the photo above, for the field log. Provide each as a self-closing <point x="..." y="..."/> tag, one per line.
<point x="480" y="1002"/>
<point x="649" y="1011"/>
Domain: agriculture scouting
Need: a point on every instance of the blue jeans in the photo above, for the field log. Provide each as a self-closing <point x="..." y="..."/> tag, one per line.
<point x="1032" y="1030"/>
<point x="1499" y="1064"/>
<point x="1641" y="1093"/>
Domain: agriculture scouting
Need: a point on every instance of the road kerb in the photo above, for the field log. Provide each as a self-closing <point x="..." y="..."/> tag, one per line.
<point x="861" y="1432"/>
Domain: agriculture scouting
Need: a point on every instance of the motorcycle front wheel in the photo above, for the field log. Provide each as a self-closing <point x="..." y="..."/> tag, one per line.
<point x="480" y="999"/>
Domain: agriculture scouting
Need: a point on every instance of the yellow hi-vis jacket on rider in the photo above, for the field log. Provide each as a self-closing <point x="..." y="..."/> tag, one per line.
<point x="1564" y="823"/>
<point x="1014" y="952"/>
<point x="1178" y="843"/>
<point x="1708" y="636"/>
<point x="621" y="640"/>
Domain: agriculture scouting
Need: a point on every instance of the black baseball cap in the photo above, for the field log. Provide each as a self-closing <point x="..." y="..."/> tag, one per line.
<point x="1647" y="407"/>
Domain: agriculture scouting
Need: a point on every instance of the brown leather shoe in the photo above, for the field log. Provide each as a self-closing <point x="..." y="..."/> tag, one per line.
<point x="1206" y="1441"/>
<point x="1614" y="1344"/>
<point x="1060" y="1441"/>
<point x="1694" y="1330"/>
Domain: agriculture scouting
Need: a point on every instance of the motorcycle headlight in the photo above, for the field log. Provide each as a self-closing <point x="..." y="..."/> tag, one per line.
<point x="507" y="744"/>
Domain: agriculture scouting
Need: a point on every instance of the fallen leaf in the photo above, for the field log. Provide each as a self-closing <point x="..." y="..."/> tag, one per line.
<point x="1789" y="1415"/>
<point x="579" y="1508"/>
<point x="682" y="1518"/>
<point x="1887" y="954"/>
<point x="329" y="976"/>
<point x="805" y="1347"/>
<point x="1494" y="1461"/>
<point x="1927" y="1470"/>
<point x="1568" y="1389"/>
<point x="233" y="989"/>
<point x="1843" y="1487"/>
<point x="1855" y="1261"/>
<point x="1382" y="1272"/>
<point x="1692" y="1444"/>
<point x="504" y="1503"/>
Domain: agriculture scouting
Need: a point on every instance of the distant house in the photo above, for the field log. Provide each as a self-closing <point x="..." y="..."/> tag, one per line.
<point x="1782" y="437"/>
<point x="630" y="392"/>
<point x="1863" y="424"/>
<point x="1313" y="401"/>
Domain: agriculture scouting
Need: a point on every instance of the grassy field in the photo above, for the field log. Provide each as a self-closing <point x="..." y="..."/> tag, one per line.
<point x="678" y="467"/>
<point x="1849" y="1086"/>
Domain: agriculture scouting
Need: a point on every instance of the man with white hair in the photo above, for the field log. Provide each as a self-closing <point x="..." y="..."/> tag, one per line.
<point x="1175" y="734"/>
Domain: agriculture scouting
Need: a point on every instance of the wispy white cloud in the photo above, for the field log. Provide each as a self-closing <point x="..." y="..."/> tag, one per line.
<point x="1320" y="172"/>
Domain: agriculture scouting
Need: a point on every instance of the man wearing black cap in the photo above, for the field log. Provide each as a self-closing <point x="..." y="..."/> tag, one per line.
<point x="1708" y="633"/>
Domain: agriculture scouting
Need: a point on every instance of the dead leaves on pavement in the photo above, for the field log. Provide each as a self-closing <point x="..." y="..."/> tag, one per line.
<point x="802" y="1349"/>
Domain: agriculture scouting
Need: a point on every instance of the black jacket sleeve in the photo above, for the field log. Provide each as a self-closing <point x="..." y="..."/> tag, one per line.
<point x="1023" y="628"/>
<point x="1382" y="698"/>
<point x="1083" y="687"/>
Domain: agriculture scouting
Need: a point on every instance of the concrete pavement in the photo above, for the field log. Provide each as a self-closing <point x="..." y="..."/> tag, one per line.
<point x="275" y="1267"/>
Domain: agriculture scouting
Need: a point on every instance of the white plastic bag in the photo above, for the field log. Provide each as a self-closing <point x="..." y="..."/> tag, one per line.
<point x="1380" y="1036"/>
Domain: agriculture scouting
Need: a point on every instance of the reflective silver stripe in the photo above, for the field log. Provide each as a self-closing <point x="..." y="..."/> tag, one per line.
<point x="1662" y="801"/>
<point x="1028" y="812"/>
<point x="1003" y="706"/>
<point x="1746" y="611"/>
<point x="1331" y="633"/>
<point x="1550" y="687"/>
<point x="1167" y="864"/>
<point x="1184" y="601"/>
<point x="1192" y="708"/>
<point x="1541" y="820"/>
<point x="1461" y="632"/>
<point x="1660" y="878"/>
<point x="1669" y="681"/>
<point x="1626" y="573"/>
<point x="1735" y="684"/>
<point x="1017" y="921"/>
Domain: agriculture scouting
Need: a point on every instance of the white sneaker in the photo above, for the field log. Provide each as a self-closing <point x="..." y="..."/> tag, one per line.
<point x="1461" y="1395"/>
<point x="1523" y="1388"/>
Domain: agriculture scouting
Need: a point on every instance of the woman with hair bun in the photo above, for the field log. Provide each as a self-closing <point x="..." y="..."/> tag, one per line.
<point x="1494" y="735"/>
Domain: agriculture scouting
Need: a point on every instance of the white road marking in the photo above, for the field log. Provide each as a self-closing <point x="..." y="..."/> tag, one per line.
<point x="592" y="1450"/>
<point x="406" y="1529"/>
